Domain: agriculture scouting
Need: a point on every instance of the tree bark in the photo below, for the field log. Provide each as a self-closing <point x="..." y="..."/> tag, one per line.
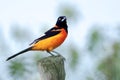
<point x="52" y="68"/>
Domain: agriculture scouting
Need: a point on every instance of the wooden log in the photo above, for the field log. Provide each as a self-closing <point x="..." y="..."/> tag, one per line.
<point x="52" y="68"/>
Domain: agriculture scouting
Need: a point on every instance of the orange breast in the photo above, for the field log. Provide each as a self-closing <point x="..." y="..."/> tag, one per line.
<point x="51" y="43"/>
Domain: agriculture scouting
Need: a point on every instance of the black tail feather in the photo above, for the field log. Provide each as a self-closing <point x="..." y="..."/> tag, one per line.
<point x="28" y="49"/>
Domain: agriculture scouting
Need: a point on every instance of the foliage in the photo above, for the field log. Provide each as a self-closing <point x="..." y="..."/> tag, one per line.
<point x="110" y="66"/>
<point x="95" y="39"/>
<point x="74" y="57"/>
<point x="17" y="69"/>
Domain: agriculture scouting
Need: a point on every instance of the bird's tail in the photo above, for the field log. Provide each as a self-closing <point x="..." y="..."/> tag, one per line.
<point x="23" y="51"/>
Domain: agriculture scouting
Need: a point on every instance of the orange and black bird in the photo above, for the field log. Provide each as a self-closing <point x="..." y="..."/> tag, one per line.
<point x="50" y="40"/>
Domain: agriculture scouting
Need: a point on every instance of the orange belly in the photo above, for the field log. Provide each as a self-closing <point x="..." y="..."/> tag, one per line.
<point x="50" y="43"/>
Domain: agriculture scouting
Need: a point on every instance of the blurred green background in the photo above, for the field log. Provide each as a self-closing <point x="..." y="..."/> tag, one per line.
<point x="92" y="48"/>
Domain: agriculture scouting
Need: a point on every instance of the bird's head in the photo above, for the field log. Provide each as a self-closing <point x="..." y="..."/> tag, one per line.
<point x="62" y="22"/>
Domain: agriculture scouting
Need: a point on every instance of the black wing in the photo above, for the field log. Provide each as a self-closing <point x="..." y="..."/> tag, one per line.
<point x="53" y="31"/>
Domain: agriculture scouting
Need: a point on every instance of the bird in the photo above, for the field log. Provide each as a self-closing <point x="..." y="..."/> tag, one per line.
<point x="51" y="39"/>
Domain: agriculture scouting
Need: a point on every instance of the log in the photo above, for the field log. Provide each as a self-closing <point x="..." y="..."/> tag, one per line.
<point x="52" y="68"/>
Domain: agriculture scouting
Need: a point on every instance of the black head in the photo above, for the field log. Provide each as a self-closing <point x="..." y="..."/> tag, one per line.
<point x="61" y="22"/>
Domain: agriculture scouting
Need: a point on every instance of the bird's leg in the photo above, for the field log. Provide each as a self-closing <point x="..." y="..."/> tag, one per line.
<point x="56" y="52"/>
<point x="50" y="53"/>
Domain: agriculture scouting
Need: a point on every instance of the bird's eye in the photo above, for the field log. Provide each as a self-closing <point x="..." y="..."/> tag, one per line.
<point x="59" y="18"/>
